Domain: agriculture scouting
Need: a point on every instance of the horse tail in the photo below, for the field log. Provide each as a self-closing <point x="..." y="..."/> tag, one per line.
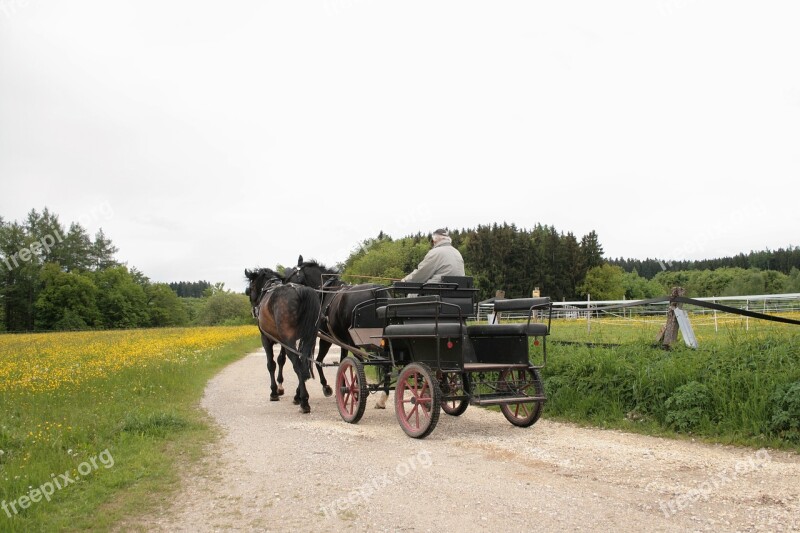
<point x="309" y="321"/>
<point x="309" y="317"/>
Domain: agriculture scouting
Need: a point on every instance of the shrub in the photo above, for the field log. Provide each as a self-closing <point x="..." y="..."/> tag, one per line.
<point x="687" y="406"/>
<point x="786" y="411"/>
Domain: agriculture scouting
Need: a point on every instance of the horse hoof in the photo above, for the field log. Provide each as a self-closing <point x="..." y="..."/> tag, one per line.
<point x="305" y="409"/>
<point x="296" y="401"/>
<point x="280" y="391"/>
<point x="274" y="397"/>
<point x="327" y="390"/>
<point x="381" y="402"/>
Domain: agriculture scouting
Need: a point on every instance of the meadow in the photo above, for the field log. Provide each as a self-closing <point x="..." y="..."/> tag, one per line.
<point x="740" y="386"/>
<point x="96" y="425"/>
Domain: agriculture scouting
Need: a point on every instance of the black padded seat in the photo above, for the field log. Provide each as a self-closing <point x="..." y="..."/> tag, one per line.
<point x="520" y="304"/>
<point x="507" y="330"/>
<point x="412" y="300"/>
<point x="421" y="306"/>
<point x="445" y="329"/>
<point x="463" y="282"/>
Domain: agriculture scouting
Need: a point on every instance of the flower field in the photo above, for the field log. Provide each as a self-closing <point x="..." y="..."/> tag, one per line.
<point x="68" y="400"/>
<point x="50" y="361"/>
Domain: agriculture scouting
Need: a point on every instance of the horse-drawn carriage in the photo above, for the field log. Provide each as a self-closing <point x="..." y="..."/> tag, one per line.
<point x="416" y="339"/>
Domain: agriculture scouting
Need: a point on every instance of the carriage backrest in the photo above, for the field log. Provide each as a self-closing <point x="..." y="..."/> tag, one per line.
<point x="456" y="292"/>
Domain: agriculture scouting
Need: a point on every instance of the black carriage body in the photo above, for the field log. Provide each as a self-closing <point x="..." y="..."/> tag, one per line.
<point x="430" y="326"/>
<point x="419" y="332"/>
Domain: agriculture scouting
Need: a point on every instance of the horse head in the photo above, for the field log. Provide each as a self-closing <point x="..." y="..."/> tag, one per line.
<point x="259" y="279"/>
<point x="310" y="273"/>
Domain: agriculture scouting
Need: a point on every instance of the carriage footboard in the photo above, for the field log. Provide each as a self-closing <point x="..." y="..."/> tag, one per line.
<point x="517" y="389"/>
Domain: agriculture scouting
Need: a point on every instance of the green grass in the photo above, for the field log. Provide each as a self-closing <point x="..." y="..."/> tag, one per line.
<point x="735" y="388"/>
<point x="141" y="425"/>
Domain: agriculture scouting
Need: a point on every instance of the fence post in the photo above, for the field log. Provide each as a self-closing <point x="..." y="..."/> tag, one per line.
<point x="588" y="314"/>
<point x="669" y="331"/>
<point x="716" y="328"/>
<point x="496" y="316"/>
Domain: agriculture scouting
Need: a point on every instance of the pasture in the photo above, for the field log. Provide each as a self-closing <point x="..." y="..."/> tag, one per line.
<point x="96" y="426"/>
<point x="93" y="425"/>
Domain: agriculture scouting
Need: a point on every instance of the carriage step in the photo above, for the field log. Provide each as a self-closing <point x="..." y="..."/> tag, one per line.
<point x="488" y="367"/>
<point x="498" y="399"/>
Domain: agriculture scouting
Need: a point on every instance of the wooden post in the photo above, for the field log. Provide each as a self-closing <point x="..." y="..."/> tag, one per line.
<point x="495" y="318"/>
<point x="669" y="331"/>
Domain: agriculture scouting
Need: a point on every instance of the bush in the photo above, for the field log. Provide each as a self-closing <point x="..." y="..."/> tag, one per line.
<point x="687" y="406"/>
<point x="223" y="307"/>
<point x="786" y="411"/>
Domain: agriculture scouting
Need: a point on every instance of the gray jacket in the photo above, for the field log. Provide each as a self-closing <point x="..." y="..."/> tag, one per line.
<point x="441" y="260"/>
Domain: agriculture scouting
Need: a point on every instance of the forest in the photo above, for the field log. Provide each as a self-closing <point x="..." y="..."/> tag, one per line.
<point x="57" y="277"/>
<point x="54" y="277"/>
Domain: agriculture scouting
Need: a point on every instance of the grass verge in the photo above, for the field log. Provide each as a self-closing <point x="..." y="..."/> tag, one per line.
<point x="741" y="386"/>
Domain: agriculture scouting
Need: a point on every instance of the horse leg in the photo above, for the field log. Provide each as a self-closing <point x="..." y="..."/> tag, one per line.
<point x="300" y="365"/>
<point x="324" y="346"/>
<point x="308" y="364"/>
<point x="281" y="362"/>
<point x="383" y="395"/>
<point x="273" y="397"/>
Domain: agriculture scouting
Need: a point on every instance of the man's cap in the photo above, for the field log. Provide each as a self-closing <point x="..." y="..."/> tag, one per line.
<point x="442" y="232"/>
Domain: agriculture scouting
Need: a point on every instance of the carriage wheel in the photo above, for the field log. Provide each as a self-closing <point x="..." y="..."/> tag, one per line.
<point x="351" y="389"/>
<point x="453" y="382"/>
<point x="522" y="382"/>
<point x="417" y="400"/>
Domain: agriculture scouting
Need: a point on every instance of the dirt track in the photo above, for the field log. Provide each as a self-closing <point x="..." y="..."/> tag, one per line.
<point x="278" y="470"/>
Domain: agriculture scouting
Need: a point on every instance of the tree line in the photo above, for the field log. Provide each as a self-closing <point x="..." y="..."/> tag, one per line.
<point x="189" y="289"/>
<point x="782" y="260"/>
<point x="58" y="278"/>
<point x="497" y="256"/>
<point x="563" y="267"/>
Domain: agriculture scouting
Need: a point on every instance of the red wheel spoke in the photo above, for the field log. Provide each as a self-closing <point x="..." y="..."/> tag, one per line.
<point x="351" y="390"/>
<point x="416" y="386"/>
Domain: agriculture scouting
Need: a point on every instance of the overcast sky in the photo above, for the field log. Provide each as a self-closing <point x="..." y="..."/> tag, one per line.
<point x="210" y="137"/>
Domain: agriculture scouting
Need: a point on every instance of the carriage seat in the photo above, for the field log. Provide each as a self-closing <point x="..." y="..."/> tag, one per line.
<point x="457" y="290"/>
<point x="431" y="306"/>
<point x="533" y="329"/>
<point x="521" y="304"/>
<point x="424" y="329"/>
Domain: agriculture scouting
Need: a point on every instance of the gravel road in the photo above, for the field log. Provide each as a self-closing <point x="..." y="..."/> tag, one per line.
<point x="276" y="469"/>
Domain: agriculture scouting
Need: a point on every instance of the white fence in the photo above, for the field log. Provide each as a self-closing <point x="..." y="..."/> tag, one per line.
<point x="762" y="303"/>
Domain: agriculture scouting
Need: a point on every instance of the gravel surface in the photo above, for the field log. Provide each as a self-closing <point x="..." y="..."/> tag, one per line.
<point x="276" y="469"/>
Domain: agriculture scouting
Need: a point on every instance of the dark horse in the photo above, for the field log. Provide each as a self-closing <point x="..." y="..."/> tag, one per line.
<point x="287" y="314"/>
<point x="338" y="301"/>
